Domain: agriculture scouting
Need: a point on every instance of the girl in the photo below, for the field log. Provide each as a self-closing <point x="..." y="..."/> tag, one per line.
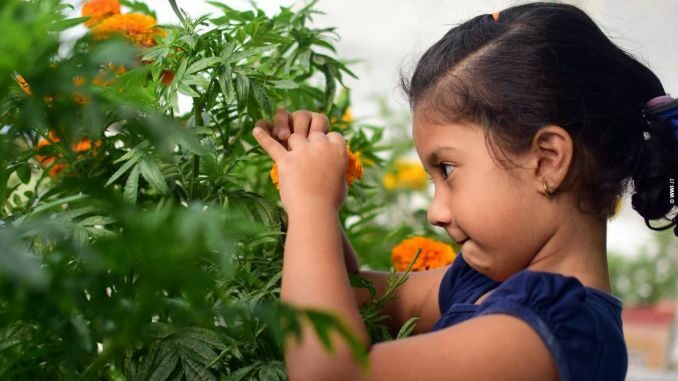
<point x="531" y="122"/>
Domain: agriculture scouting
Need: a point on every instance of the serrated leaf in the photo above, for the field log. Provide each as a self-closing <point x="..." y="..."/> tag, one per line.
<point x="203" y="64"/>
<point x="240" y="373"/>
<point x="160" y="330"/>
<point x="195" y="371"/>
<point x="159" y="51"/>
<point x="132" y="185"/>
<point x="124" y="168"/>
<point x="235" y="57"/>
<point x="202" y="349"/>
<point x="285" y="84"/>
<point x="151" y="172"/>
<point x="242" y="87"/>
<point x="165" y="367"/>
<point x="96" y="220"/>
<point x="262" y="99"/>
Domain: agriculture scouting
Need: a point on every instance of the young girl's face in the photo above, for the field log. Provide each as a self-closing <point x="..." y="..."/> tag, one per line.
<point x="501" y="213"/>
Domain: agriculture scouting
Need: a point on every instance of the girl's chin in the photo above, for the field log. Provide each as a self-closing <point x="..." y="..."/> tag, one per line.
<point x="472" y="259"/>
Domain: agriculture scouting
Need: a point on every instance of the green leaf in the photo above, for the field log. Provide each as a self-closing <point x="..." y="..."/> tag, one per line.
<point x="226" y="83"/>
<point x="64" y="24"/>
<point x="23" y="171"/>
<point x="242" y="87"/>
<point x="160" y="51"/>
<point x="285" y="84"/>
<point x="262" y="99"/>
<point x="135" y="157"/>
<point x="407" y="328"/>
<point x="132" y="185"/>
<point x="202" y="64"/>
<point x="362" y="282"/>
<point x="151" y="172"/>
<point x="96" y="220"/>
<point x="240" y="373"/>
<point x="165" y="367"/>
<point x="235" y="57"/>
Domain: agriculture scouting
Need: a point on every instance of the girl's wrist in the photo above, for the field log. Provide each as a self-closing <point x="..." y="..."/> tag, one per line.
<point x="311" y="209"/>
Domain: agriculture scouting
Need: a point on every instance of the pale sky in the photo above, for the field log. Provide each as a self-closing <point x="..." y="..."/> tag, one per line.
<point x="389" y="35"/>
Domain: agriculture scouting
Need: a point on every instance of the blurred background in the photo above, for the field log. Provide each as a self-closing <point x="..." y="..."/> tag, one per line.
<point x="381" y="38"/>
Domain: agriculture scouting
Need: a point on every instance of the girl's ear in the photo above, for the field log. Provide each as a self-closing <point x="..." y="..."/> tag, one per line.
<point x="553" y="150"/>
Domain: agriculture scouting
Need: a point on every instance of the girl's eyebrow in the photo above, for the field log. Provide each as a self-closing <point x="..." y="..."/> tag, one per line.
<point x="434" y="156"/>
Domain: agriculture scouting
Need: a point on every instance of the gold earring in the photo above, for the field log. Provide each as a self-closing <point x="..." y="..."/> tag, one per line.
<point x="547" y="190"/>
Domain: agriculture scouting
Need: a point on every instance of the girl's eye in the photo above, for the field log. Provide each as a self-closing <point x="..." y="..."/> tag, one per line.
<point x="443" y="167"/>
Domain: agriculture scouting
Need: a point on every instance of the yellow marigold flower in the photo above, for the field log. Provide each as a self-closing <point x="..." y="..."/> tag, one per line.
<point x="99" y="10"/>
<point x="353" y="171"/>
<point x="346" y="118"/>
<point x="24" y="85"/>
<point x="406" y="174"/>
<point x="433" y="254"/>
<point x="136" y="27"/>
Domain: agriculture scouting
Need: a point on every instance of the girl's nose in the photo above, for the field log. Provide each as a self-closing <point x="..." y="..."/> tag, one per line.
<point x="439" y="212"/>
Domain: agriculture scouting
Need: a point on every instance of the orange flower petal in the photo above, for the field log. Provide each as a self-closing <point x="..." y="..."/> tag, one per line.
<point x="99" y="10"/>
<point x="434" y="254"/>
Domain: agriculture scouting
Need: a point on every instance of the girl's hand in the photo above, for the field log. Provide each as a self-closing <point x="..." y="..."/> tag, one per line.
<point x="301" y="121"/>
<point x="312" y="173"/>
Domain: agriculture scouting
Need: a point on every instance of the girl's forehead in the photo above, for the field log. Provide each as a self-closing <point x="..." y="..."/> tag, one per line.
<point x="426" y="132"/>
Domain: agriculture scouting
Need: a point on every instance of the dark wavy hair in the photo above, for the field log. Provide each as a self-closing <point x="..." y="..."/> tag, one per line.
<point x="549" y="63"/>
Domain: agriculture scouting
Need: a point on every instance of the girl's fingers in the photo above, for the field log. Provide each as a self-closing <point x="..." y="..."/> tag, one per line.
<point x="320" y="122"/>
<point x="316" y="136"/>
<point x="265" y="124"/>
<point x="274" y="149"/>
<point x="281" y="126"/>
<point x="302" y="122"/>
<point x="337" y="138"/>
<point x="296" y="141"/>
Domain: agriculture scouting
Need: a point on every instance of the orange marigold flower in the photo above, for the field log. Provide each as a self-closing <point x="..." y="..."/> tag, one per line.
<point x="406" y="174"/>
<point x="108" y="75"/>
<point x="78" y="97"/>
<point x="166" y="77"/>
<point x="24" y="85"/>
<point x="99" y="10"/>
<point x="136" y="27"/>
<point x="53" y="164"/>
<point x="433" y="254"/>
<point x="354" y="169"/>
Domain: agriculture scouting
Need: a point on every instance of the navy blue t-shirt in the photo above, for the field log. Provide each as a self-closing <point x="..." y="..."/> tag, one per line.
<point x="581" y="326"/>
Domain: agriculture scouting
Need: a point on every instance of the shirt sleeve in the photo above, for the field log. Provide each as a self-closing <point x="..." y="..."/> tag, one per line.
<point x="462" y="284"/>
<point x="555" y="307"/>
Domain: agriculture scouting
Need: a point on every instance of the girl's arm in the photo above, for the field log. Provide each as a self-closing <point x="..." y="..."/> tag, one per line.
<point x="315" y="276"/>
<point x="418" y="296"/>
<point x="350" y="259"/>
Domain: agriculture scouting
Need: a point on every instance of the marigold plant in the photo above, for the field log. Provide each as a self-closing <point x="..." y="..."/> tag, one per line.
<point x="159" y="256"/>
